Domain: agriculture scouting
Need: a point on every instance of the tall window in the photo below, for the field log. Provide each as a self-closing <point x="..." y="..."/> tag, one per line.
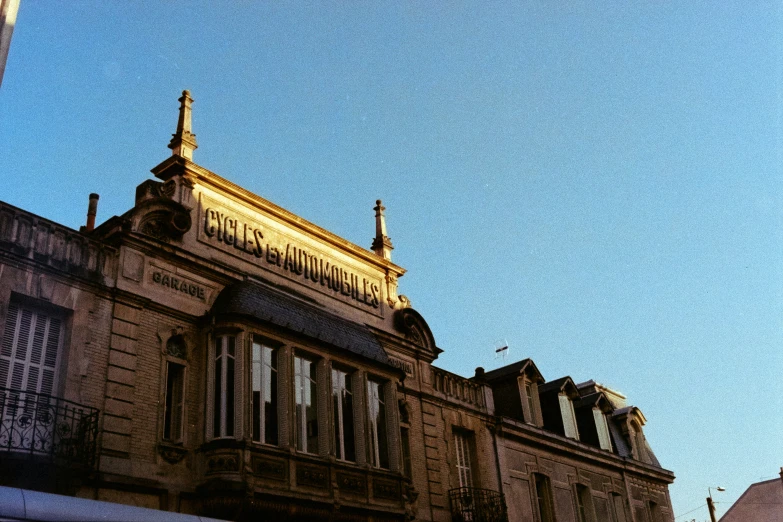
<point x="28" y="356"/>
<point x="584" y="504"/>
<point x="342" y="403"/>
<point x="655" y="511"/>
<point x="603" y="429"/>
<point x="223" y="400"/>
<point x="379" y="446"/>
<point x="264" y="393"/>
<point x="569" y="419"/>
<point x="172" y="418"/>
<point x="306" y="393"/>
<point x="462" y="445"/>
<point x="618" y="508"/>
<point x="546" y="512"/>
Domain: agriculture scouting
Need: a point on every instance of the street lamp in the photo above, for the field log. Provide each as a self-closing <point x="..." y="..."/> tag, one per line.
<point x="710" y="504"/>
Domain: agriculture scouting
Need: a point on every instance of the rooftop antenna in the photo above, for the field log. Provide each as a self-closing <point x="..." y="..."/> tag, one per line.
<point x="501" y="349"/>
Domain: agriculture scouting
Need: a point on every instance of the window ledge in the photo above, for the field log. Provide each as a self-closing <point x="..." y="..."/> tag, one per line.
<point x="171" y="452"/>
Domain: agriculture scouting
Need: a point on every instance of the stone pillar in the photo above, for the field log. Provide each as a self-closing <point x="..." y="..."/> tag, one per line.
<point x="359" y="385"/>
<point x="284" y="396"/>
<point x="120" y="390"/>
<point x="393" y="426"/>
<point x="323" y="394"/>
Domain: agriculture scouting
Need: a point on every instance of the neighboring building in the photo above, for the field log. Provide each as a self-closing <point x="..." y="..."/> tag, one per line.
<point x="209" y="352"/>
<point x="761" y="502"/>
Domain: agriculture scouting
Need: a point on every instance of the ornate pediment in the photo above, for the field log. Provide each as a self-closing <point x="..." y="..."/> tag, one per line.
<point x="157" y="215"/>
<point x="415" y="328"/>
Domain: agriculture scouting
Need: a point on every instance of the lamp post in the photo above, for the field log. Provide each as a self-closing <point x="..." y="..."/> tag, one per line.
<point x="710" y="504"/>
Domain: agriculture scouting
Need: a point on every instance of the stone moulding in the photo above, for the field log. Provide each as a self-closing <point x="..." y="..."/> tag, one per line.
<point x="274" y="469"/>
<point x="171" y="453"/>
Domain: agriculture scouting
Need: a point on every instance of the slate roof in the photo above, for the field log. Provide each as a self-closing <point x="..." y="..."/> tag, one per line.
<point x="557" y="384"/>
<point x="511" y="369"/>
<point x="249" y="299"/>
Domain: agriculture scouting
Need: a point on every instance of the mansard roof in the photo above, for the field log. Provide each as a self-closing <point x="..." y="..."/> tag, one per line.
<point x="593" y="400"/>
<point x="263" y="303"/>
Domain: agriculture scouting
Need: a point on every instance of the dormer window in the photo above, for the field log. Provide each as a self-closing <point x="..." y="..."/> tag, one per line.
<point x="531" y="410"/>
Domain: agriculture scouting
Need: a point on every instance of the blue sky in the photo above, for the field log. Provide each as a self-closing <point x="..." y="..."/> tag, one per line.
<point x="597" y="183"/>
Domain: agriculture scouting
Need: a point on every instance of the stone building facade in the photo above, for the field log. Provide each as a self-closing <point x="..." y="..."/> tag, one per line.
<point x="209" y="352"/>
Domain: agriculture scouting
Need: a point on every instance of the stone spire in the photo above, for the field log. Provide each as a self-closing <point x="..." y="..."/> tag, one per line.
<point x="183" y="143"/>
<point x="382" y="244"/>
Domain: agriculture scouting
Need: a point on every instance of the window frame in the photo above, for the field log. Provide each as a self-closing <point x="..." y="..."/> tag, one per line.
<point x="302" y="425"/>
<point x="542" y="492"/>
<point x="220" y="389"/>
<point x="585" y="510"/>
<point x="168" y="411"/>
<point x="258" y="409"/>
<point x="378" y="436"/>
<point x="621" y="515"/>
<point x="341" y="411"/>
<point x="463" y="442"/>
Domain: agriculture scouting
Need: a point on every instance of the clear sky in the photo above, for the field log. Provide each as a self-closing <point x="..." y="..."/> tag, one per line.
<point x="599" y="184"/>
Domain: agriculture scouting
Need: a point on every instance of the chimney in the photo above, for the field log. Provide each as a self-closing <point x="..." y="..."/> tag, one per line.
<point x="92" y="210"/>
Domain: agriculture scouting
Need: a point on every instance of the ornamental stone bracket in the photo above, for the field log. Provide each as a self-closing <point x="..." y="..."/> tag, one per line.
<point x="171" y="453"/>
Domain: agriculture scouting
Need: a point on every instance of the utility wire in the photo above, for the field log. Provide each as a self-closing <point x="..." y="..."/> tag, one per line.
<point x="691" y="511"/>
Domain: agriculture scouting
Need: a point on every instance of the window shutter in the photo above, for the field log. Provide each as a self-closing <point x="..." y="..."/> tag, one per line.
<point x="28" y="357"/>
<point x="569" y="422"/>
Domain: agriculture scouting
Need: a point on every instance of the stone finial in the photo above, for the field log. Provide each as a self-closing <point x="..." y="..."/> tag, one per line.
<point x="382" y="244"/>
<point x="183" y="142"/>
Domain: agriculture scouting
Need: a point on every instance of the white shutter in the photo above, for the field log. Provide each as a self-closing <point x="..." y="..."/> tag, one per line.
<point x="603" y="429"/>
<point x="29" y="353"/>
<point x="569" y="420"/>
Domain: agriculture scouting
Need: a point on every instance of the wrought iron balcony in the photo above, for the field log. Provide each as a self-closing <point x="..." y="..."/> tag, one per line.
<point x="47" y="427"/>
<point x="477" y="505"/>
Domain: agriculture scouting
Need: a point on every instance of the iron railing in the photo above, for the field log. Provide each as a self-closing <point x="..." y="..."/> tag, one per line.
<point x="48" y="427"/>
<point x="477" y="505"/>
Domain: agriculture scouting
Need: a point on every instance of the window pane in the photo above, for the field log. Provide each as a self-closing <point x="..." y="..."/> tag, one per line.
<point x="306" y="405"/>
<point x="618" y="508"/>
<point x="544" y="498"/>
<point x="270" y="396"/>
<point x="601" y="509"/>
<point x="336" y="408"/>
<point x="230" y="393"/>
<point x="531" y="408"/>
<point x="379" y="446"/>
<point x="347" y="409"/>
<point x="462" y="446"/>
<point x="264" y="394"/>
<point x="217" y="405"/>
<point x="257" y="404"/>
<point x="172" y="422"/>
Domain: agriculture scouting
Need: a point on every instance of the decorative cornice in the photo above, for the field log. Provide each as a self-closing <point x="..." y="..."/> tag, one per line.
<point x="177" y="165"/>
